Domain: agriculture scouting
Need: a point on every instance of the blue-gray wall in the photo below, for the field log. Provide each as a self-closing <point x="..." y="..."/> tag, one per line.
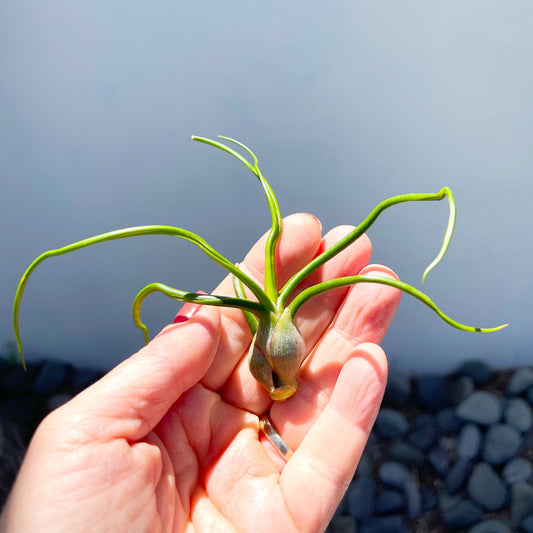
<point x="346" y="103"/>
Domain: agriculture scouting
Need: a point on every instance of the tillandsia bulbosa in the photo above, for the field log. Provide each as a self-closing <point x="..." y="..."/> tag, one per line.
<point x="278" y="348"/>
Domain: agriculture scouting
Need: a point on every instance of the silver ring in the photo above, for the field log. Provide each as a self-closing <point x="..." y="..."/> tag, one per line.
<point x="265" y="425"/>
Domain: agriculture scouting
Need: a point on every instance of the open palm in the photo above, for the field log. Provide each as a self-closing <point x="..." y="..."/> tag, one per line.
<point x="170" y="441"/>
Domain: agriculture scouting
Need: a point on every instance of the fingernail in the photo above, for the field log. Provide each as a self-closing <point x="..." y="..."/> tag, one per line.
<point x="187" y="311"/>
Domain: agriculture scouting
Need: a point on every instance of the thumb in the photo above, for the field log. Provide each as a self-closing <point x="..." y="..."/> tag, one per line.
<point x="130" y="400"/>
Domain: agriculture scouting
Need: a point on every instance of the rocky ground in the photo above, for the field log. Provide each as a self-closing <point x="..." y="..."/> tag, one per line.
<point x="447" y="453"/>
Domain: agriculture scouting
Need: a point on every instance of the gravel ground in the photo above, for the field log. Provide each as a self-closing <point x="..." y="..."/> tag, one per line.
<point x="447" y="453"/>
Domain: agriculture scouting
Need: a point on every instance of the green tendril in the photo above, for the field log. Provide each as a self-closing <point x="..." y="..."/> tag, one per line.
<point x="275" y="231"/>
<point x="190" y="297"/>
<point x="325" y="286"/>
<point x="351" y="237"/>
<point x="135" y="232"/>
<point x="447" y="236"/>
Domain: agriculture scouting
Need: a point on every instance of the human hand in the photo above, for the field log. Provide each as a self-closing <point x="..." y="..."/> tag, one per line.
<point x="169" y="440"/>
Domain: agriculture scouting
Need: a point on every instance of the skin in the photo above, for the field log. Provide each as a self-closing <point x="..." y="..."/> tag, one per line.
<point x="169" y="440"/>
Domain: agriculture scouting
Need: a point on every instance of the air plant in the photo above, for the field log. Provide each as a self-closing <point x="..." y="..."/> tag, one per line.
<point x="277" y="349"/>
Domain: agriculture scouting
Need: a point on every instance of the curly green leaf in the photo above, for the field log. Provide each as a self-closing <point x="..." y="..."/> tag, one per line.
<point x="351" y="237"/>
<point x="447" y="236"/>
<point x="135" y="232"/>
<point x="275" y="231"/>
<point x="320" y="288"/>
<point x="190" y="297"/>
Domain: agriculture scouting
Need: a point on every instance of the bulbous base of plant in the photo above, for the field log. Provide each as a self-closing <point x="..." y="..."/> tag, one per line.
<point x="276" y="354"/>
<point x="262" y="372"/>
